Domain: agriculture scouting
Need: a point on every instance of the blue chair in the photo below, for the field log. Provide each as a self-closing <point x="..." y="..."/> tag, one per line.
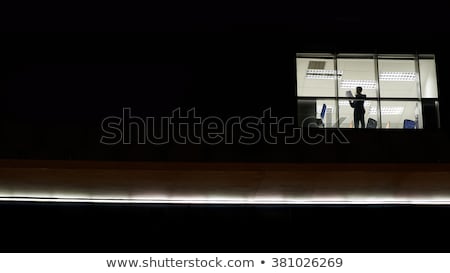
<point x="409" y="124"/>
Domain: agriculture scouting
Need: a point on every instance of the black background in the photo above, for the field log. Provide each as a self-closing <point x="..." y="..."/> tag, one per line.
<point x="214" y="228"/>
<point x="223" y="59"/>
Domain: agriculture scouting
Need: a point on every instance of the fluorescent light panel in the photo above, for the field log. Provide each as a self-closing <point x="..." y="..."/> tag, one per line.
<point x="388" y="110"/>
<point x="398" y="76"/>
<point x="385" y="110"/>
<point x="322" y="74"/>
<point x="346" y="103"/>
<point x="365" y="84"/>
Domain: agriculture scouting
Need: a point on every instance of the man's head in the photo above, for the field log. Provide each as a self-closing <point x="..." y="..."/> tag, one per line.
<point x="358" y="90"/>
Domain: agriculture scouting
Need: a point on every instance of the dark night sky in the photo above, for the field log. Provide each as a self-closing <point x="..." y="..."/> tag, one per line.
<point x="225" y="15"/>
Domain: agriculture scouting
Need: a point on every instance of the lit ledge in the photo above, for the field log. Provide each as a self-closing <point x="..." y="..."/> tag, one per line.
<point x="223" y="183"/>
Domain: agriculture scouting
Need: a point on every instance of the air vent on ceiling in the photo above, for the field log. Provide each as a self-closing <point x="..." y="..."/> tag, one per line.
<point x="316" y="65"/>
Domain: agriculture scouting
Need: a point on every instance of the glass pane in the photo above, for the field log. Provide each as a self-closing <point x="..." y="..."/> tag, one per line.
<point x="428" y="79"/>
<point x="347" y="114"/>
<point x="430" y="114"/>
<point x="401" y="114"/>
<point x="326" y="110"/>
<point x="320" y="112"/>
<point x="398" y="78"/>
<point x="357" y="72"/>
<point x="306" y="111"/>
<point x="316" y="77"/>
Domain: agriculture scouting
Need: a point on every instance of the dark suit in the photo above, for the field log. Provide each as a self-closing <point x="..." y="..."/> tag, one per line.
<point x="358" y="114"/>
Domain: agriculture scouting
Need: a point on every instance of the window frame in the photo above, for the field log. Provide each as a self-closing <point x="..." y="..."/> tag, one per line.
<point x="376" y="59"/>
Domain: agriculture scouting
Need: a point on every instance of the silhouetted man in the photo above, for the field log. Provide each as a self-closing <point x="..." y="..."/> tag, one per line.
<point x="358" y="105"/>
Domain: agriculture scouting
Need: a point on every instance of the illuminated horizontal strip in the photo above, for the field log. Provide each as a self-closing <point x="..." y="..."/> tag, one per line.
<point x="365" y="84"/>
<point x="388" y="110"/>
<point x="300" y="201"/>
<point x="397" y="76"/>
<point x="321" y="74"/>
<point x="346" y="102"/>
<point x="385" y="110"/>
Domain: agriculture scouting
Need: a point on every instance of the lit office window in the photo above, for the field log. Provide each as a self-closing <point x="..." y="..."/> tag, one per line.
<point x="317" y="77"/>
<point x="357" y="72"/>
<point x="327" y="112"/>
<point x="400" y="114"/>
<point x="398" y="78"/>
<point x="318" y="112"/>
<point x="346" y="113"/>
<point x="428" y="78"/>
<point x="400" y="91"/>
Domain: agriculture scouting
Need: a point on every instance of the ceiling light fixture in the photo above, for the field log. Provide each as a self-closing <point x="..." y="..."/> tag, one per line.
<point x="322" y="74"/>
<point x="398" y="76"/>
<point x="365" y="84"/>
<point x="346" y="103"/>
<point x="388" y="110"/>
